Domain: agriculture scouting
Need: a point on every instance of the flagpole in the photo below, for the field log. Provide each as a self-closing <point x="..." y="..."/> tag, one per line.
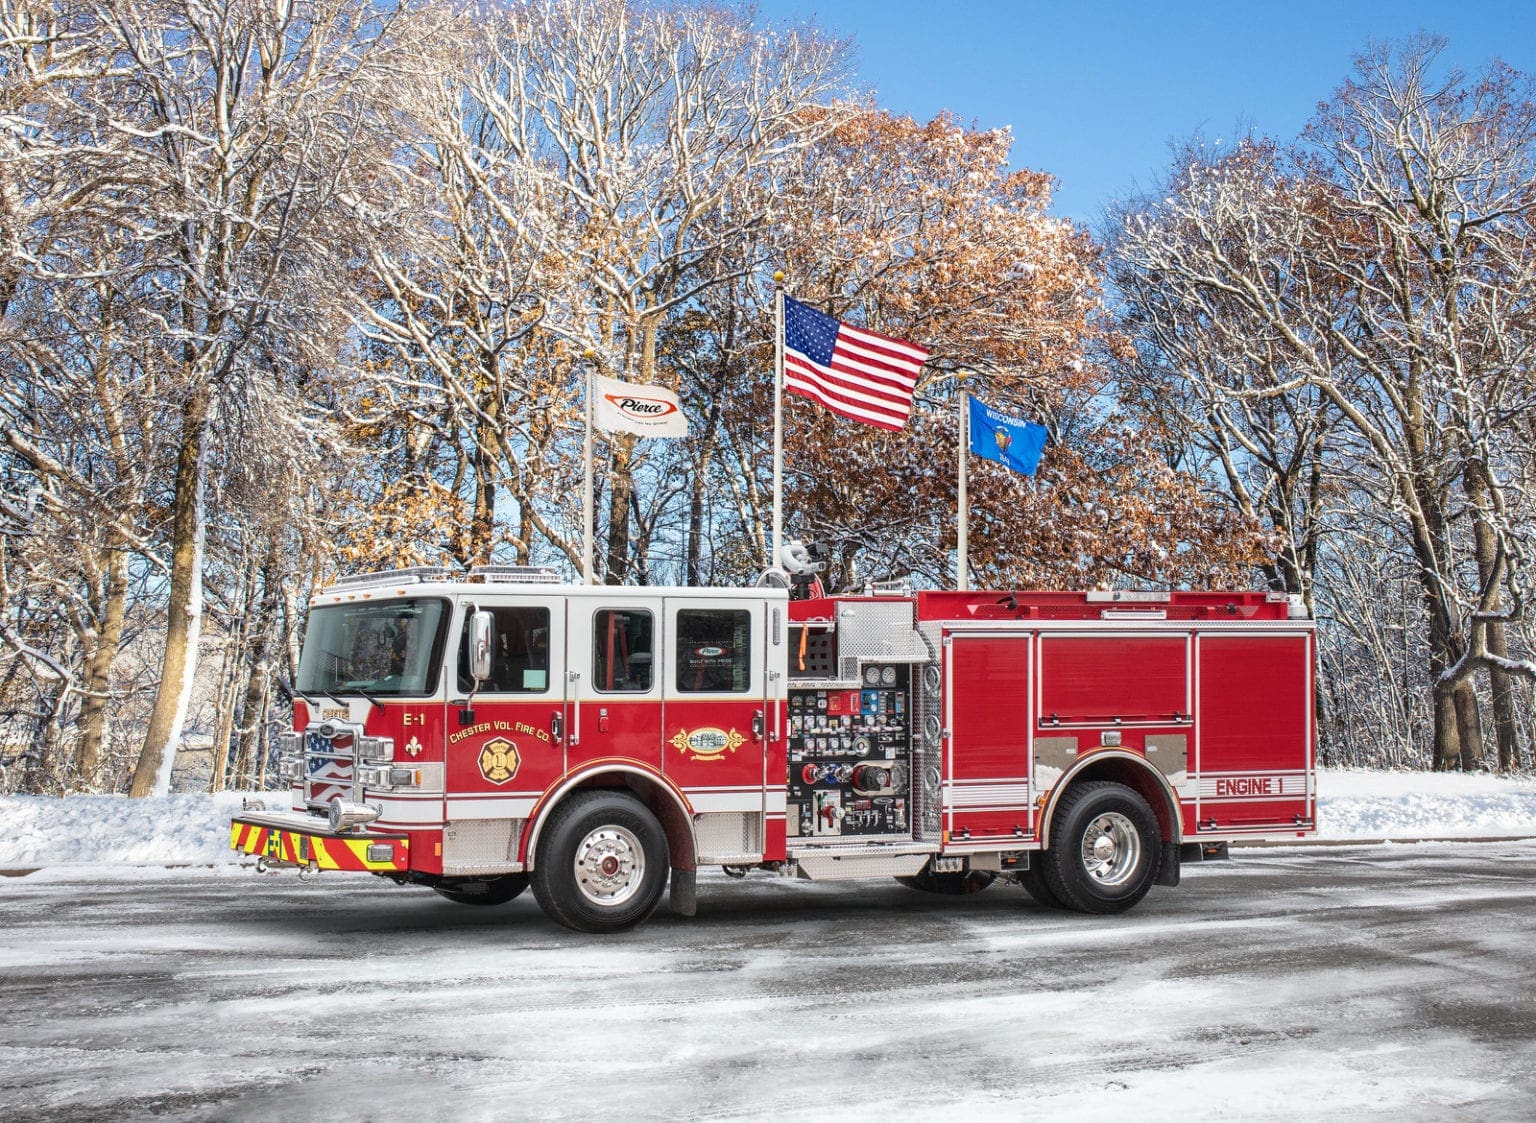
<point x="778" y="421"/>
<point x="589" y="356"/>
<point x="962" y="524"/>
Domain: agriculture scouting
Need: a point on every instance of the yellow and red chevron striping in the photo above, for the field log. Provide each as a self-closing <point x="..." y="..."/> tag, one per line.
<point x="327" y="851"/>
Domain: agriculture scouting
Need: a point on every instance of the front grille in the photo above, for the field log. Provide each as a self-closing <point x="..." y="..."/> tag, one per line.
<point x="328" y="767"/>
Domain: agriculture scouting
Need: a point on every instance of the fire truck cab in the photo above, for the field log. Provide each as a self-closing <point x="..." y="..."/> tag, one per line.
<point x="482" y="734"/>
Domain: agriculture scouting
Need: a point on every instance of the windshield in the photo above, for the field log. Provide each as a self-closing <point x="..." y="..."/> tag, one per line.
<point x="391" y="647"/>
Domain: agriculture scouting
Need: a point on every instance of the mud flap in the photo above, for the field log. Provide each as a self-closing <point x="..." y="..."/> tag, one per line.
<point x="1168" y="868"/>
<point x="684" y="899"/>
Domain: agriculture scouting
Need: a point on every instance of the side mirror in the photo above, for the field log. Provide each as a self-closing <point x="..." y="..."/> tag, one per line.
<point x="482" y="645"/>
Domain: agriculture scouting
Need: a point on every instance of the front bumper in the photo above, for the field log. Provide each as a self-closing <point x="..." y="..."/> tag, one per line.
<point x="295" y="839"/>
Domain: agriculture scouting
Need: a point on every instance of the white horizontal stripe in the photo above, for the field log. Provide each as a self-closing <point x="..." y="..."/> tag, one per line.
<point x="404" y="824"/>
<point x="993" y="782"/>
<point x="510" y="808"/>
<point x="999" y="798"/>
<point x="1256" y="772"/>
<point x="725" y="802"/>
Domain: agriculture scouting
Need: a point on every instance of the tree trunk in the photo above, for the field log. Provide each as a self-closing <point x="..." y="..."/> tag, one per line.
<point x="1469" y="726"/>
<point x="1447" y="748"/>
<point x="1448" y="728"/>
<point x="620" y="484"/>
<point x="253" y="712"/>
<point x="1486" y="548"/>
<point x="184" y="615"/>
<point x="97" y="681"/>
<point x="482" y="526"/>
<point x="224" y="713"/>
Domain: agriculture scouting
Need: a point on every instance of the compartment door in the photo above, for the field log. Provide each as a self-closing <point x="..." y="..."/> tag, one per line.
<point x="1253" y="733"/>
<point x="986" y="757"/>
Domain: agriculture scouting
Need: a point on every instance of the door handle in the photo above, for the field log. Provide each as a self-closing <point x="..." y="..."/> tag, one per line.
<point x="557" y="727"/>
<point x="757" y="726"/>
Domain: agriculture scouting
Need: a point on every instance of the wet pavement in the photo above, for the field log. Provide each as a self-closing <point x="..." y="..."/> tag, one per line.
<point x="1369" y="982"/>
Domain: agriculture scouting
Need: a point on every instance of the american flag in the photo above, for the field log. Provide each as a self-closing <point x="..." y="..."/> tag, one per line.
<point x="855" y="373"/>
<point x="329" y="766"/>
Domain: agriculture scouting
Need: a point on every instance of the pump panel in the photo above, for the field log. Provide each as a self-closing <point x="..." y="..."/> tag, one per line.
<point x="850" y="755"/>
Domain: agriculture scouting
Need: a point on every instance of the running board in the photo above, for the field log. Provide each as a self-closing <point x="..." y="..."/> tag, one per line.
<point x="834" y="866"/>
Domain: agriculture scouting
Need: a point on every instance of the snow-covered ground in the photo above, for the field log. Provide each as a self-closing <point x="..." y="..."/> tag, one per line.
<point x="195" y="828"/>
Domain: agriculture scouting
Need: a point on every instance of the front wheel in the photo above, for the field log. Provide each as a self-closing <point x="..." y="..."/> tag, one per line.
<point x="601" y="862"/>
<point x="1104" y="850"/>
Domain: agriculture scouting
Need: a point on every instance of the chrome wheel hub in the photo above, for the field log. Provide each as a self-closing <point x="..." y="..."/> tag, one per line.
<point x="1111" y="849"/>
<point x="609" y="866"/>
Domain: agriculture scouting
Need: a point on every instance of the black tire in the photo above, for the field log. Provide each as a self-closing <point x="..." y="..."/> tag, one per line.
<point x="483" y="891"/>
<point x="601" y="862"/>
<point x="950" y="884"/>
<point x="1105" y="849"/>
<point x="1033" y="880"/>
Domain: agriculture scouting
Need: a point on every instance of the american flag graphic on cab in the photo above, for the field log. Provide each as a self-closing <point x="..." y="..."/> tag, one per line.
<point x="329" y="768"/>
<point x="857" y="374"/>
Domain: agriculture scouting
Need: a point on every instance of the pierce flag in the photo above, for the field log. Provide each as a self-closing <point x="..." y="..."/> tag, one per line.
<point x="857" y="374"/>
<point x="1007" y="440"/>
<point x="646" y="411"/>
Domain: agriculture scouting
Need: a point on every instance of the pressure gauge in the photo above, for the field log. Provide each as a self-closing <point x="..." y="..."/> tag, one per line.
<point x="888" y="676"/>
<point x="871" y="676"/>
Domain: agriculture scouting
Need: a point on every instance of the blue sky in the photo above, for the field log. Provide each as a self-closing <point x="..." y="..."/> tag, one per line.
<point x="1096" y="91"/>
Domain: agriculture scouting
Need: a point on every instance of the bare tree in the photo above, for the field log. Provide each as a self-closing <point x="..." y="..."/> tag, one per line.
<point x="1382" y="266"/>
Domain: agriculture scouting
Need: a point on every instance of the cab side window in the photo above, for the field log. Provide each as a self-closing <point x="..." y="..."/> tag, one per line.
<point x="714" y="650"/>
<point x="521" y="662"/>
<point x="622" y="649"/>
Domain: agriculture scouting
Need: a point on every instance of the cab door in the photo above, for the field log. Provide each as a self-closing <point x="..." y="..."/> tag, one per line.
<point x="615" y="686"/>
<point x="715" y="699"/>
<point x="507" y="743"/>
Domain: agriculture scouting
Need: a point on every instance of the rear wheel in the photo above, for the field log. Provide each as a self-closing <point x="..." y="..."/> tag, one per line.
<point x="483" y="891"/>
<point x="601" y="862"/>
<point x="1104" y="849"/>
<point x="950" y="884"/>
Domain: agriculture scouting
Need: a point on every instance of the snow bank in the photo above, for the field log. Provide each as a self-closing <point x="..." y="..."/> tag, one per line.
<point x="35" y="831"/>
<point x="195" y="828"/>
<point x="1364" y="804"/>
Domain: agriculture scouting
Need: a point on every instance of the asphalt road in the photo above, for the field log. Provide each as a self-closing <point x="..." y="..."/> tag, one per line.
<point x="1390" y="982"/>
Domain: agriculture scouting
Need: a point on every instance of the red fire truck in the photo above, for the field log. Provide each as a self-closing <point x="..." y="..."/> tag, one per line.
<point x="480" y="734"/>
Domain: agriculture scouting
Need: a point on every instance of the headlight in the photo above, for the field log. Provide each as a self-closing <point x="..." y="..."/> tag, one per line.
<point x="290" y="744"/>
<point x="375" y="748"/>
<point x="290" y="768"/>
<point x="385" y="776"/>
